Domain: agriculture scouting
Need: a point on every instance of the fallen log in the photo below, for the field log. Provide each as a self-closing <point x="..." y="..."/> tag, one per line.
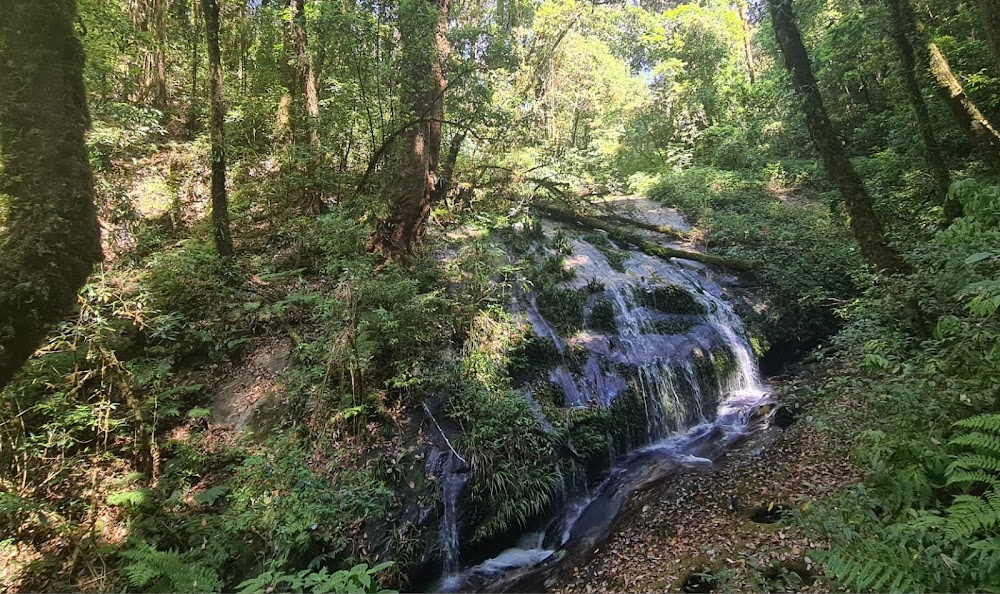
<point x="662" y="229"/>
<point x="623" y="236"/>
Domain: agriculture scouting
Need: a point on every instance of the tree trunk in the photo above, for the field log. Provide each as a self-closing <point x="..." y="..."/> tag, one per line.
<point x="980" y="130"/>
<point x="220" y="203"/>
<point x="741" y="9"/>
<point x="195" y="22"/>
<point x="423" y="32"/>
<point x="50" y="239"/>
<point x="989" y="11"/>
<point x="908" y="70"/>
<point x="150" y="16"/>
<point x="865" y="225"/>
<point x="446" y="183"/>
<point x="299" y="106"/>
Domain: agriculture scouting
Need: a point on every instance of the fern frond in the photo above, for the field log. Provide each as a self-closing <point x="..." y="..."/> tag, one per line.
<point x="883" y="570"/>
<point x="981" y="443"/>
<point x="989" y="423"/>
<point x="968" y="515"/>
<point x="975" y="462"/>
<point x="968" y="477"/>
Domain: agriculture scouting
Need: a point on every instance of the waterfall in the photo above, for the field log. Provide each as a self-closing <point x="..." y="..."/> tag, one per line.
<point x="677" y="346"/>
<point x="452" y="474"/>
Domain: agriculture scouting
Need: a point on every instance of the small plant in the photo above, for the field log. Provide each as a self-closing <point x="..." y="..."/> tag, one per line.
<point x="359" y="579"/>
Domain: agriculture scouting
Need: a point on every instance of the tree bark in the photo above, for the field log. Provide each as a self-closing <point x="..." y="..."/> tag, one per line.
<point x="50" y="238"/>
<point x="424" y="38"/>
<point x="446" y="183"/>
<point x="866" y="227"/>
<point x="150" y="16"/>
<point x="741" y="9"/>
<point x="220" y="202"/>
<point x="299" y="106"/>
<point x="981" y="132"/>
<point x="195" y="22"/>
<point x="901" y="35"/>
<point x="989" y="11"/>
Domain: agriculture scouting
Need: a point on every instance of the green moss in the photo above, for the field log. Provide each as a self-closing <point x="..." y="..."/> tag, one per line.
<point x="628" y="425"/>
<point x="588" y="434"/>
<point x="532" y="355"/>
<point x="668" y="327"/>
<point x="602" y="317"/>
<point x="671" y="300"/>
<point x="563" y="308"/>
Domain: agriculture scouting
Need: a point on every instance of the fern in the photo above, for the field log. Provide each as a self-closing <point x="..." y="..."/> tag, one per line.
<point x="988" y="423"/>
<point x="166" y="571"/>
<point x="969" y="514"/>
<point x="981" y="443"/>
<point x="872" y="568"/>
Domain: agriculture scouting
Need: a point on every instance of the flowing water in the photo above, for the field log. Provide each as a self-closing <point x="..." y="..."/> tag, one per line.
<point x="679" y="348"/>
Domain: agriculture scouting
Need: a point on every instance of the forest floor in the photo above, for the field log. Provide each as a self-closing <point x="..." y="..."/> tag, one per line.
<point x="727" y="527"/>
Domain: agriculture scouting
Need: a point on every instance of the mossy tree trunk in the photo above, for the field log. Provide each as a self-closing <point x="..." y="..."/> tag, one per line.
<point x="220" y="201"/>
<point x="981" y="132"/>
<point x="50" y="238"/>
<point x="866" y="227"/>
<point x="902" y="36"/>
<point x="423" y="26"/>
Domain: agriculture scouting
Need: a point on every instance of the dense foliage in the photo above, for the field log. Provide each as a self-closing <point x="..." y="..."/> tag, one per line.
<point x="263" y="420"/>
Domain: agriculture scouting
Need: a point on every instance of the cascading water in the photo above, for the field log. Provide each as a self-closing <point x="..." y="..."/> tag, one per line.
<point x="678" y="347"/>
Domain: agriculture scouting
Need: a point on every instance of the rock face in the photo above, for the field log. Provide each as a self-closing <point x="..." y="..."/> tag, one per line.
<point x="654" y="369"/>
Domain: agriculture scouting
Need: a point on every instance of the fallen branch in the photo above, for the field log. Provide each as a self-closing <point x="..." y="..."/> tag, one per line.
<point x="662" y="229"/>
<point x="623" y="236"/>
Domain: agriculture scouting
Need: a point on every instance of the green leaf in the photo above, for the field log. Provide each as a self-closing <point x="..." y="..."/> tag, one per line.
<point x="198" y="413"/>
<point x="979" y="257"/>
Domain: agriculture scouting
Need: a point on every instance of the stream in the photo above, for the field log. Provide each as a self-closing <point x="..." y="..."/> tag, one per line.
<point x="680" y="348"/>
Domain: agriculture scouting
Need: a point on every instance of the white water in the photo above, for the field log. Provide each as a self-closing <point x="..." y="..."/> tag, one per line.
<point x="684" y="411"/>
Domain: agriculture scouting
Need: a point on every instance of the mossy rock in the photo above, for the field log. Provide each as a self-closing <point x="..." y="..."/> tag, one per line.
<point x="588" y="434"/>
<point x="563" y="308"/>
<point x="673" y="326"/>
<point x="602" y="317"/>
<point x="628" y="425"/>
<point x="535" y="354"/>
<point x="670" y="300"/>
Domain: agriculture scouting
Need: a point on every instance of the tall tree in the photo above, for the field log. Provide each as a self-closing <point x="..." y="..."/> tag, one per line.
<point x="741" y="9"/>
<point x="989" y="11"/>
<point x="220" y="202"/>
<point x="50" y="239"/>
<point x="423" y="26"/>
<point x="298" y="110"/>
<point x="902" y="35"/>
<point x="150" y="16"/>
<point x="982" y="133"/>
<point x="865" y="225"/>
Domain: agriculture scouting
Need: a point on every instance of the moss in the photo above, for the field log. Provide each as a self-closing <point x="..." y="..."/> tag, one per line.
<point x="715" y="368"/>
<point x="563" y="308"/>
<point x="534" y="354"/>
<point x="671" y="300"/>
<point x="628" y="424"/>
<point x="667" y="327"/>
<point x="602" y="317"/>
<point x="588" y="434"/>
